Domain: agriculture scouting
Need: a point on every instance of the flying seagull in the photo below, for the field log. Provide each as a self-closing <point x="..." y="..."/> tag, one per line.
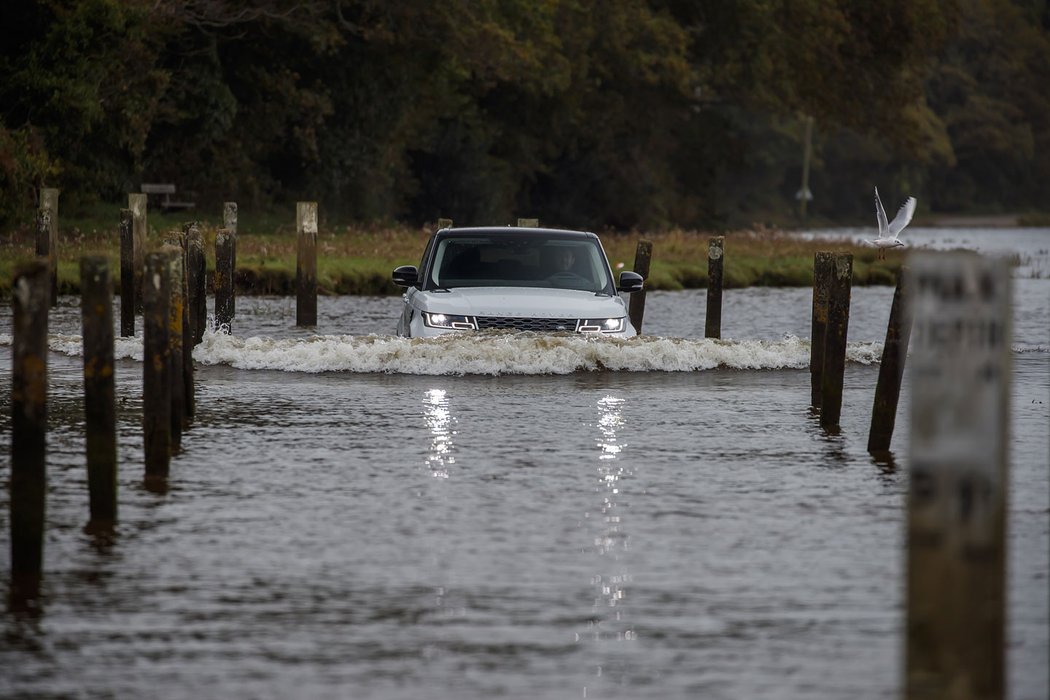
<point x="889" y="231"/>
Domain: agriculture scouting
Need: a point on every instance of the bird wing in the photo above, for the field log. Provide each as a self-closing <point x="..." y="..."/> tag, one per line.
<point x="880" y="215"/>
<point x="903" y="217"/>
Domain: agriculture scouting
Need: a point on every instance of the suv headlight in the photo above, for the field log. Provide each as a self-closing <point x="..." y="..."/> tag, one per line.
<point x="601" y="325"/>
<point x="459" y="323"/>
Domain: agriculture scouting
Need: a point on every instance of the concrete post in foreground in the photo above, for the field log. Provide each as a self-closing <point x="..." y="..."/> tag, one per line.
<point x="643" y="256"/>
<point x="960" y="399"/>
<point x="224" y="250"/>
<point x="229" y="222"/>
<point x="128" y="303"/>
<point x="835" y="340"/>
<point x="891" y="371"/>
<point x="31" y="294"/>
<point x="306" y="264"/>
<point x="715" y="266"/>
<point x="822" y="267"/>
<point x="156" y="368"/>
<point x="137" y="205"/>
<point x="100" y="413"/>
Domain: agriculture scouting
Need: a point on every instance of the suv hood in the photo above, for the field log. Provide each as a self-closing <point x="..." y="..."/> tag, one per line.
<point x="526" y="302"/>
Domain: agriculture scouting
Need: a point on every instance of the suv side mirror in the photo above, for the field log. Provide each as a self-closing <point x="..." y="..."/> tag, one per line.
<point x="406" y="276"/>
<point x="630" y="282"/>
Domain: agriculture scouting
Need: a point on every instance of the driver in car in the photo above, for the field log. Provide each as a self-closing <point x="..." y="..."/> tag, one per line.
<point x="563" y="259"/>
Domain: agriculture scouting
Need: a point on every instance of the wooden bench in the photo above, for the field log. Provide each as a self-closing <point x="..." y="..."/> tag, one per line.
<point x="167" y="190"/>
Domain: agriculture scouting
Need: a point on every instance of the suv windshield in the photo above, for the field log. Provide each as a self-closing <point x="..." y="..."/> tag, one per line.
<point x="479" y="260"/>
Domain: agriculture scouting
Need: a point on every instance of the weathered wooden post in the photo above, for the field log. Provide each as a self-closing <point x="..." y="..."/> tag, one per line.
<point x="175" y="313"/>
<point x="306" y="265"/>
<point x="822" y="267"/>
<point x="715" y="263"/>
<point x="835" y="340"/>
<point x="891" y="370"/>
<point x="444" y="223"/>
<point x="229" y="222"/>
<point x="960" y="401"/>
<point x="49" y="202"/>
<point x="224" y="247"/>
<point x="156" y="368"/>
<point x="196" y="281"/>
<point x="186" y="371"/>
<point x="643" y="256"/>
<point x="127" y="274"/>
<point x="31" y="294"/>
<point x="96" y="308"/>
<point x="530" y="223"/>
<point x="137" y="205"/>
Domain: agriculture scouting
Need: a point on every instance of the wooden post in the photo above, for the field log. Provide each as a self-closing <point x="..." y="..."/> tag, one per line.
<point x="156" y="368"/>
<point x="31" y="293"/>
<point x="960" y="401"/>
<point x="444" y="223"/>
<point x="96" y="308"/>
<point x="137" y="205"/>
<point x="229" y="222"/>
<point x="186" y="371"/>
<point x="196" y="280"/>
<point x="643" y="256"/>
<point x="715" y="261"/>
<point x="175" y="313"/>
<point x="891" y="370"/>
<point x="306" y="265"/>
<point x="49" y="202"/>
<point x="835" y="340"/>
<point x="822" y="267"/>
<point x="127" y="274"/>
<point x="530" y="223"/>
<point x="224" y="247"/>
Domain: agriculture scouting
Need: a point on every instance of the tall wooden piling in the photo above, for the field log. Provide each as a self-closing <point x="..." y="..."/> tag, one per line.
<point x="891" y="370"/>
<point x="96" y="307"/>
<point x="715" y="266"/>
<point x="137" y="205"/>
<point x="224" y="247"/>
<point x="156" y="368"/>
<point x="957" y="495"/>
<point x="196" y="281"/>
<point x="186" y="371"/>
<point x="822" y="268"/>
<point x="31" y="294"/>
<point x="835" y="340"/>
<point x="229" y="222"/>
<point x="306" y="264"/>
<point x="529" y="223"/>
<point x="643" y="256"/>
<point x="175" y="336"/>
<point x="49" y="203"/>
<point x="128" y="303"/>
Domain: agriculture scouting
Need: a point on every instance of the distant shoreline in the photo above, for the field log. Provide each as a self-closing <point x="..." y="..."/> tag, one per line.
<point x="970" y="221"/>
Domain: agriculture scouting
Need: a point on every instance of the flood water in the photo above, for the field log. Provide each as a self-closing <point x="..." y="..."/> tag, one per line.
<point x="359" y="516"/>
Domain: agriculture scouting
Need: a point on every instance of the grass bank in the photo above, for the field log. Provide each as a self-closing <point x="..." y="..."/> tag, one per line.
<point x="359" y="259"/>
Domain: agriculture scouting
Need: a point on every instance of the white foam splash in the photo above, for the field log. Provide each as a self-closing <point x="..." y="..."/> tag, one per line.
<point x="486" y="354"/>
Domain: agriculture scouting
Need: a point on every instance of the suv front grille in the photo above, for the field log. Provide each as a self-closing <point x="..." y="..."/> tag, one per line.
<point x="538" y="325"/>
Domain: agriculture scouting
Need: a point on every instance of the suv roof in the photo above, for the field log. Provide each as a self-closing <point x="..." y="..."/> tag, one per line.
<point x="515" y="230"/>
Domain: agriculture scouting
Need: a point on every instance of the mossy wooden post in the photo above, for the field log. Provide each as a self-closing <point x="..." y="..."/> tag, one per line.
<point x="96" y="308"/>
<point x="306" y="264"/>
<point x="835" y="340"/>
<point x="137" y="205"/>
<point x="891" y="370"/>
<point x="444" y="223"/>
<point x="959" y="471"/>
<point x="529" y="223"/>
<point x="822" y="267"/>
<point x="643" y="256"/>
<point x="229" y="222"/>
<point x="186" y="371"/>
<point x="224" y="246"/>
<point x="127" y="274"/>
<point x="175" y="310"/>
<point x="196" y="280"/>
<point x="156" y="368"/>
<point x="31" y="294"/>
<point x="715" y="266"/>
<point x="49" y="202"/>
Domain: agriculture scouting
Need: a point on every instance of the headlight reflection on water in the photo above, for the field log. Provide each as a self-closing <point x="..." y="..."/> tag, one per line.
<point x="439" y="420"/>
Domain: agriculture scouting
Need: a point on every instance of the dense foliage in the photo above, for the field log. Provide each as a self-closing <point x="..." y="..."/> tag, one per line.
<point x="617" y="113"/>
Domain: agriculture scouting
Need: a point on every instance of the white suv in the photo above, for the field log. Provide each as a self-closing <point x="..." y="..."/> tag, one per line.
<point x="513" y="278"/>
